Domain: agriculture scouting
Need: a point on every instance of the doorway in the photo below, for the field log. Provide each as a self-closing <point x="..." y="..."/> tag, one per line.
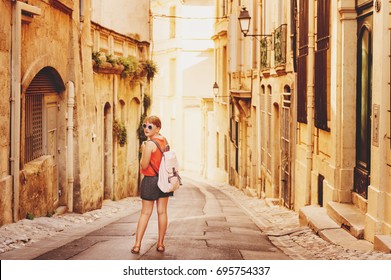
<point x="108" y="152"/>
<point x="285" y="148"/>
<point x="364" y="103"/>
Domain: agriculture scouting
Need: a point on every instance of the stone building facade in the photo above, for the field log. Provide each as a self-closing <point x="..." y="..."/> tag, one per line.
<point x="59" y="109"/>
<point x="256" y="78"/>
<point x="343" y="103"/>
<point x="307" y="105"/>
<point x="183" y="51"/>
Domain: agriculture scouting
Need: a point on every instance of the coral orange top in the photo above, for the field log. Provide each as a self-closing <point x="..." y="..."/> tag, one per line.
<point x="156" y="158"/>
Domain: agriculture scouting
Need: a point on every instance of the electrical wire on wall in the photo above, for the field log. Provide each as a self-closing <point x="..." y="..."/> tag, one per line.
<point x="188" y="18"/>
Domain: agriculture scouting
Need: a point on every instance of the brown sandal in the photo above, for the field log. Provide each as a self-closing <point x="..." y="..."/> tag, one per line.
<point x="135" y="250"/>
<point x="160" y="248"/>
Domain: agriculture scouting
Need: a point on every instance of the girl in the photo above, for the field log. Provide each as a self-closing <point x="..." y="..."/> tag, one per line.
<point x="150" y="192"/>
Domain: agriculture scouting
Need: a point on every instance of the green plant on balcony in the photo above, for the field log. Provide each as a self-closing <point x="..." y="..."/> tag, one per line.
<point x="131" y="65"/>
<point x="96" y="57"/>
<point x="151" y="68"/>
<point x="114" y="61"/>
<point x="128" y="67"/>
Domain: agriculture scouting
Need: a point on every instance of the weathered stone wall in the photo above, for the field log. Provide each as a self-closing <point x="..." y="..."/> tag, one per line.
<point x="5" y="200"/>
<point x="5" y="179"/>
<point x="37" y="188"/>
<point x="61" y="40"/>
<point x="125" y="158"/>
<point x="44" y="44"/>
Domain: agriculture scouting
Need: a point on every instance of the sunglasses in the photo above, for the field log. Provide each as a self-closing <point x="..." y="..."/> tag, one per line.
<point x="147" y="126"/>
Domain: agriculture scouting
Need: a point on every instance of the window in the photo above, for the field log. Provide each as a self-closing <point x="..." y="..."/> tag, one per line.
<point x="269" y="129"/>
<point x="33" y="129"/>
<point x="217" y="150"/>
<point x="172" y="71"/>
<point x="39" y="121"/>
<point x="302" y="63"/>
<point x="225" y="153"/>
<point x="236" y="146"/>
<point x="263" y="126"/>
<point x="321" y="65"/>
<point x="172" y="22"/>
<point x="224" y="8"/>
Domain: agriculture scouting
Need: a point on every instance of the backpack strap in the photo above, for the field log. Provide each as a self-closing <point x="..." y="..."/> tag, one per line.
<point x="157" y="173"/>
<point x="158" y="145"/>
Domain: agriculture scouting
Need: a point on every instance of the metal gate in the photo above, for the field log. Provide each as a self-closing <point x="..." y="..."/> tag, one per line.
<point x="285" y="151"/>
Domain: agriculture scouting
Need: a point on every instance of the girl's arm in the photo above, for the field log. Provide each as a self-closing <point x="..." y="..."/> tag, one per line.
<point x="147" y="149"/>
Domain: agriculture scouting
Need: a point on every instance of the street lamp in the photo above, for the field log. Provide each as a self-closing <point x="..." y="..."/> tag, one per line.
<point x="215" y="89"/>
<point x="244" y="22"/>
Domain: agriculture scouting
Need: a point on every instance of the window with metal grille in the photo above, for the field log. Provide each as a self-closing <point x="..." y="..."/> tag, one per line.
<point x="225" y="153"/>
<point x="43" y="84"/>
<point x="217" y="150"/>
<point x="237" y="146"/>
<point x="172" y="22"/>
<point x="269" y="129"/>
<point x="33" y="130"/>
<point x="302" y="63"/>
<point x="263" y="126"/>
<point x="321" y="69"/>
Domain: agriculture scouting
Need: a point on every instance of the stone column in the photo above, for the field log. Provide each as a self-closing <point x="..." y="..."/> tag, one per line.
<point x="343" y="93"/>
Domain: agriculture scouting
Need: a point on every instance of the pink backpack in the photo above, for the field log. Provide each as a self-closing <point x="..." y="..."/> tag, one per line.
<point x="169" y="179"/>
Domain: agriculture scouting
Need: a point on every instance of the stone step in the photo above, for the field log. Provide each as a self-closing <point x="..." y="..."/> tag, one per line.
<point x="319" y="221"/>
<point x="316" y="218"/>
<point x="382" y="243"/>
<point x="348" y="217"/>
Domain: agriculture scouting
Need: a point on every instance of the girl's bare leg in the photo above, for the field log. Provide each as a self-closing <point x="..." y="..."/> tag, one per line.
<point x="162" y="221"/>
<point x="146" y="211"/>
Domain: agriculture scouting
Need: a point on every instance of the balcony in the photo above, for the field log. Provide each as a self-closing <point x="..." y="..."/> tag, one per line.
<point x="280" y="42"/>
<point x="265" y="55"/>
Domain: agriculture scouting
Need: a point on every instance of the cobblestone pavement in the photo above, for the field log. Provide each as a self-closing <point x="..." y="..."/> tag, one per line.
<point x="280" y="224"/>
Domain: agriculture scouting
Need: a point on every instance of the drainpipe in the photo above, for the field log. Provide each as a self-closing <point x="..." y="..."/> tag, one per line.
<point x="115" y="146"/>
<point x="310" y="100"/>
<point x="70" y="129"/>
<point x="16" y="54"/>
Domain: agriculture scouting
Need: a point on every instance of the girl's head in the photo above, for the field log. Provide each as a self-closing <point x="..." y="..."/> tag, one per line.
<point x="153" y="120"/>
<point x="152" y="126"/>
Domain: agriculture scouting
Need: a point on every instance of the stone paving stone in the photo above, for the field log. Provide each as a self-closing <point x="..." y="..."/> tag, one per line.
<point x="240" y="230"/>
<point x="253" y="255"/>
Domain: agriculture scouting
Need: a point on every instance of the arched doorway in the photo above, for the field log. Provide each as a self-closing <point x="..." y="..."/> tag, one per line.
<point x="108" y="152"/>
<point x="40" y="133"/>
<point x="286" y="148"/>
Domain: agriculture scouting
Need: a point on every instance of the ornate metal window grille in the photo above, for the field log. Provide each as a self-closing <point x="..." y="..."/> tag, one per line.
<point x="280" y="39"/>
<point x="265" y="52"/>
<point x="34" y="126"/>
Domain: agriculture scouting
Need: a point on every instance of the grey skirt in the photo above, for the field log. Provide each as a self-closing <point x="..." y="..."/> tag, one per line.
<point x="149" y="189"/>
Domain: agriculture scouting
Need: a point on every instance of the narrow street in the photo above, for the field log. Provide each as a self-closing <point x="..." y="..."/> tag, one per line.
<point x="206" y="222"/>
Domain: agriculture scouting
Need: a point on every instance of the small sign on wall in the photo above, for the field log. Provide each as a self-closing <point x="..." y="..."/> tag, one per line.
<point x="375" y="118"/>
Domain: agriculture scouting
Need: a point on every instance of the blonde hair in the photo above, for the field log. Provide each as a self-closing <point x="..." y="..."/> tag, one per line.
<point x="153" y="120"/>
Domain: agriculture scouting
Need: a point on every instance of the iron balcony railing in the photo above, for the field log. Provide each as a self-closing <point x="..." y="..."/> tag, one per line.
<point x="265" y="52"/>
<point x="280" y="38"/>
